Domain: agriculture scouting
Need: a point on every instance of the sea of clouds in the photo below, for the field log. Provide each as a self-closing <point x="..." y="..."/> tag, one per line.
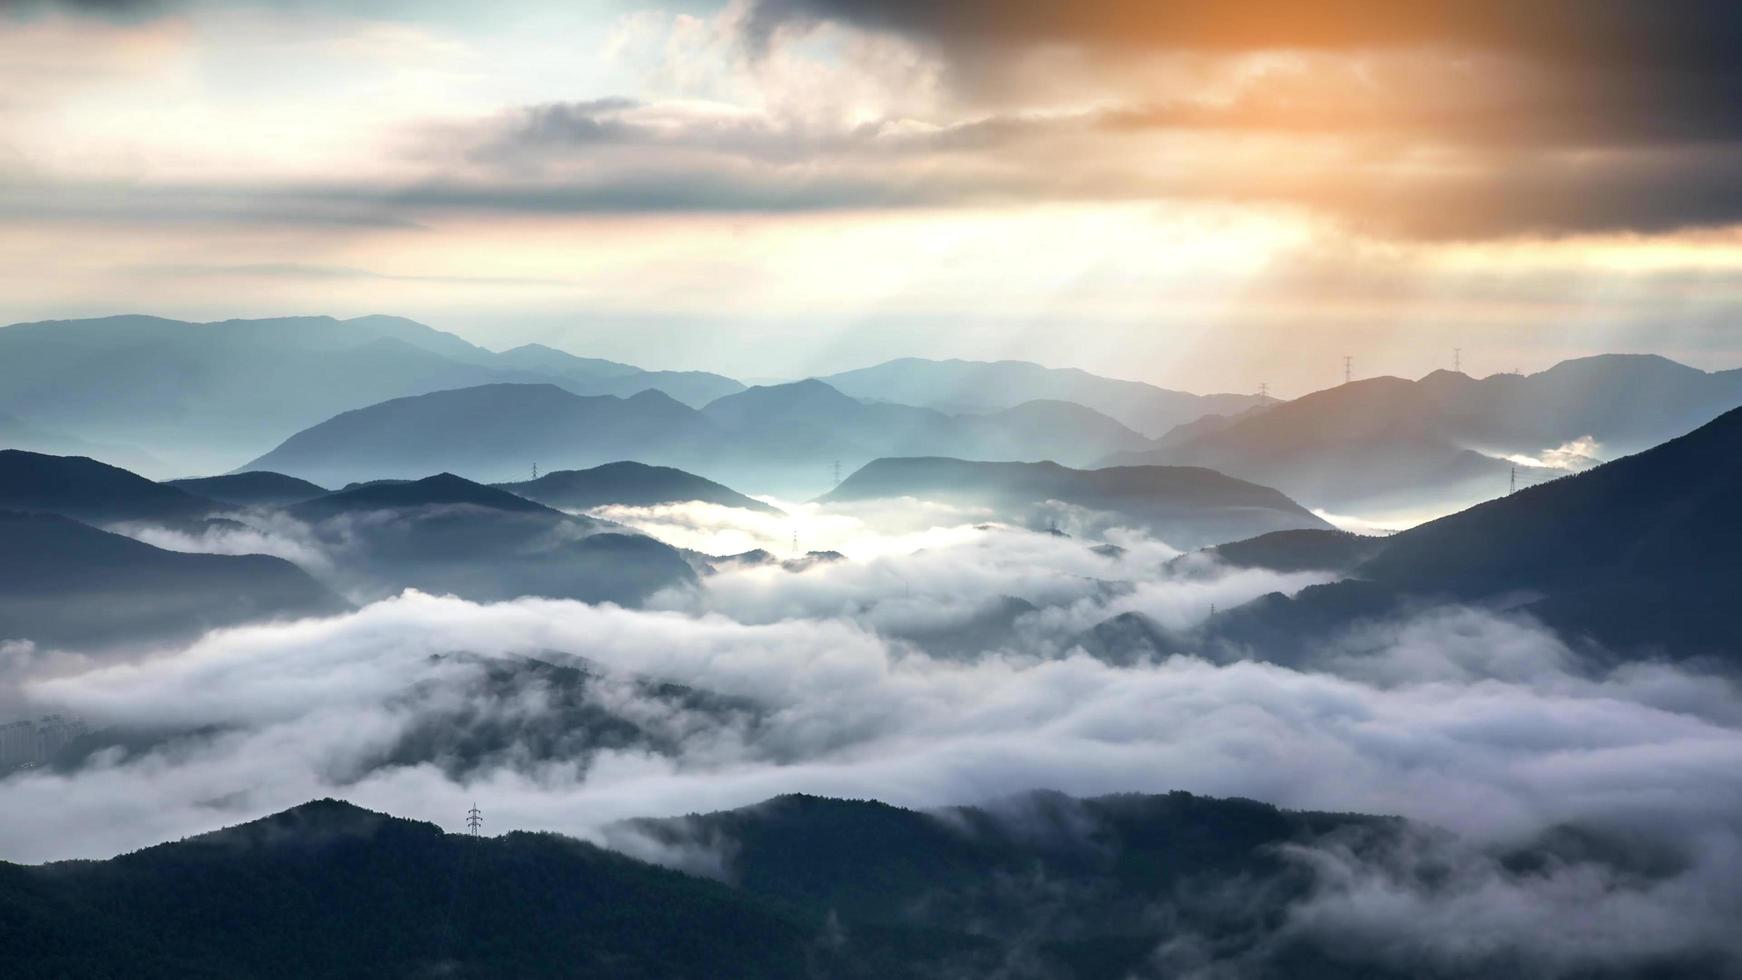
<point x="1482" y="724"/>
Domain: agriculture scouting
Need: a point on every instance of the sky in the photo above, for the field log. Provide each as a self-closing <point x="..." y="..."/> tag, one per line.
<point x="1204" y="196"/>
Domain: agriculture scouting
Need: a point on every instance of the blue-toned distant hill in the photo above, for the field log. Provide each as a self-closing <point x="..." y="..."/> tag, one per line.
<point x="783" y="438"/>
<point x="204" y="396"/>
<point x="632" y="485"/>
<point x="985" y="386"/>
<point x="447" y="535"/>
<point x="92" y="491"/>
<point x="1186" y="506"/>
<point x="255" y="489"/>
<point x="64" y="584"/>
<point x="1389" y="444"/>
<point x="1635" y="558"/>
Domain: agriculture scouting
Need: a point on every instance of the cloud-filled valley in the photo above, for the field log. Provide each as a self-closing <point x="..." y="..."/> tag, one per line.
<point x="819" y="680"/>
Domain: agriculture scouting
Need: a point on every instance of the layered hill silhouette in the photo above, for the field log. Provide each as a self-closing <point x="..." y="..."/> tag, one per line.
<point x="447" y="535"/>
<point x="490" y="433"/>
<point x="1040" y="885"/>
<point x="630" y="484"/>
<point x="92" y="491"/>
<point x="1188" y="507"/>
<point x="785" y="436"/>
<point x="959" y="386"/>
<point x="1630" y="558"/>
<point x="253" y="489"/>
<point x="202" y="395"/>
<point x="67" y="584"/>
<point x="1389" y="443"/>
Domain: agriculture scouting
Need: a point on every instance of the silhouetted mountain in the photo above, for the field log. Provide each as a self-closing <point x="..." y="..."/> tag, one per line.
<point x="492" y="432"/>
<point x="1361" y="445"/>
<point x="91" y="491"/>
<point x="254" y="489"/>
<point x="202" y="396"/>
<point x="1034" y="886"/>
<point x="328" y="889"/>
<point x="1388" y="443"/>
<point x="785" y="436"/>
<point x="632" y="485"/>
<point x="1296" y="551"/>
<point x="592" y="376"/>
<point x="1630" y="554"/>
<point x="444" y="534"/>
<point x="1188" y="507"/>
<point x="441" y="489"/>
<point x="67" y="584"/>
<point x="979" y="386"/>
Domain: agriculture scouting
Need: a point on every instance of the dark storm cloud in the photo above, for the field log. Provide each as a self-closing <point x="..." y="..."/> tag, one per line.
<point x="1648" y="90"/>
<point x="1675" y="35"/>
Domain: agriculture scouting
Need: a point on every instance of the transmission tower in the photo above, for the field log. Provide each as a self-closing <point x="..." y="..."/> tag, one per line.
<point x="535" y="471"/>
<point x="1513" y="488"/>
<point x="1263" y="391"/>
<point x="837" y="472"/>
<point x="1348" y="362"/>
<point x="474" y="820"/>
<point x="1457" y="360"/>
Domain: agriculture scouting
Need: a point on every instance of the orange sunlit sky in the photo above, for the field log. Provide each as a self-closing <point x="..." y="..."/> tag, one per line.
<point x="1202" y="195"/>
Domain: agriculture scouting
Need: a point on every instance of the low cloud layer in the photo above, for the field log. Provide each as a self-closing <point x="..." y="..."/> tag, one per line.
<point x="1485" y="725"/>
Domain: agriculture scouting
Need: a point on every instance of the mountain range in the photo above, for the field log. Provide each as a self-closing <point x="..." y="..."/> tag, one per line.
<point x="1034" y="886"/>
<point x="958" y="386"/>
<point x="447" y="535"/>
<point x="630" y="484"/>
<point x="200" y="396"/>
<point x="786" y="437"/>
<point x="1188" y="507"/>
<point x="1628" y="559"/>
<point x="67" y="582"/>
<point x="67" y="585"/>
<point x="1388" y="444"/>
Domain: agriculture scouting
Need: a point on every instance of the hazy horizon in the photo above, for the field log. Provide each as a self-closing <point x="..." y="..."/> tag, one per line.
<point x="777" y="189"/>
<point x="1137" y="593"/>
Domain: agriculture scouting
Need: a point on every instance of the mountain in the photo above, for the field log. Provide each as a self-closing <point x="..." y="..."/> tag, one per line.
<point x="447" y="535"/>
<point x="203" y="395"/>
<point x="1295" y="551"/>
<point x="1626" y="556"/>
<point x="491" y="432"/>
<point x="1630" y="552"/>
<point x="66" y="584"/>
<point x="1388" y="444"/>
<point x="254" y="489"/>
<point x="979" y="386"/>
<point x="785" y="437"/>
<point x="593" y="376"/>
<point x="91" y="491"/>
<point x="331" y="890"/>
<point x="630" y="484"/>
<point x="1034" y="886"/>
<point x="1188" y="507"/>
